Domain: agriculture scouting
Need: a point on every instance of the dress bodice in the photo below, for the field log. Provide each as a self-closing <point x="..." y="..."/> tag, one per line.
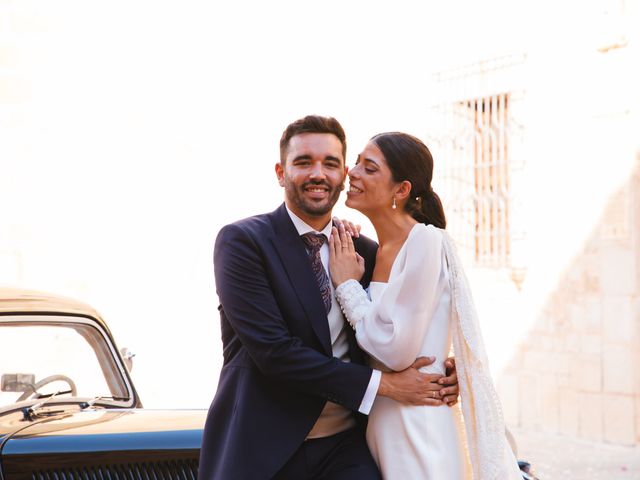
<point x="407" y="316"/>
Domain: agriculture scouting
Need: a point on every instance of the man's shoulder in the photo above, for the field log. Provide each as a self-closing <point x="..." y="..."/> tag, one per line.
<point x="254" y="223"/>
<point x="365" y="245"/>
<point x="244" y="235"/>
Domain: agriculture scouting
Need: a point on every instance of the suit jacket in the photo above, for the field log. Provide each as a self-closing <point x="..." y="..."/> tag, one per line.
<point x="278" y="370"/>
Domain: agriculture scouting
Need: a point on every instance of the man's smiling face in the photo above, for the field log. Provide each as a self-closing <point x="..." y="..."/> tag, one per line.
<point x="313" y="175"/>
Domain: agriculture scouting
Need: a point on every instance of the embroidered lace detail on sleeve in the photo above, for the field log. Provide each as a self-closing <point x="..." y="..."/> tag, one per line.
<point x="490" y="454"/>
<point x="353" y="300"/>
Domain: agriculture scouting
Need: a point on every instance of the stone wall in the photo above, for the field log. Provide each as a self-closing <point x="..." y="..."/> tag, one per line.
<point x="577" y="370"/>
<point x="564" y="344"/>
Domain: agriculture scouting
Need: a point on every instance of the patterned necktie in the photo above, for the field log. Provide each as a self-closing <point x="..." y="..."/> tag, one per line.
<point x="314" y="242"/>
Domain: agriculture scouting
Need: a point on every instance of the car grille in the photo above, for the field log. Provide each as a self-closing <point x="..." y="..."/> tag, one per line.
<point x="178" y="470"/>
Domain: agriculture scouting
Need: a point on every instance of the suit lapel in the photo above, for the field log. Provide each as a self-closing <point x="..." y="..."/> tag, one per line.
<point x="296" y="262"/>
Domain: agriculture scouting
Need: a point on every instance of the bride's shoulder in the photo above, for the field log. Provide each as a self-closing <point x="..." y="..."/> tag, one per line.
<point x="425" y="240"/>
<point x="426" y="233"/>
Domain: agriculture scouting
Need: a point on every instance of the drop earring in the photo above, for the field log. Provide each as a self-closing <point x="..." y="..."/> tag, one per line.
<point x="394" y="203"/>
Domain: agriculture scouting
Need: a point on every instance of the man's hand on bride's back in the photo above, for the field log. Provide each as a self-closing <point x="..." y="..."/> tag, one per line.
<point x="413" y="387"/>
<point x="451" y="390"/>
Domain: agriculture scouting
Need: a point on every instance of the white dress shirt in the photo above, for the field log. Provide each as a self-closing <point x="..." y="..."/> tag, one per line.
<point x="337" y="323"/>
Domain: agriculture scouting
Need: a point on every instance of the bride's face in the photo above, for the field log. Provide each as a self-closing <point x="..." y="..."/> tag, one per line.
<point x="371" y="186"/>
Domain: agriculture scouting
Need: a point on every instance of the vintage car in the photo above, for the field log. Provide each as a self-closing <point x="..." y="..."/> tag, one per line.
<point x="68" y="407"/>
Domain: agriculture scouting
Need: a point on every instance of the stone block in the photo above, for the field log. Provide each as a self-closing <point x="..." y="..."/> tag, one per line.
<point x="528" y="397"/>
<point x="618" y="319"/>
<point x="564" y="380"/>
<point x="568" y="421"/>
<point x="586" y="372"/>
<point x="591" y="343"/>
<point x="590" y="416"/>
<point x="635" y="370"/>
<point x="619" y="370"/>
<point x="593" y="315"/>
<point x="560" y="362"/>
<point x="549" y="403"/>
<point x="618" y="270"/>
<point x="619" y="419"/>
<point x="536" y="361"/>
<point x="565" y="343"/>
<point x="544" y="343"/>
<point x="577" y="318"/>
<point x="637" y="415"/>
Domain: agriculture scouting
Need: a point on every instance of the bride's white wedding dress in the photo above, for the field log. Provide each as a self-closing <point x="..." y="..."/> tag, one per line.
<point x="424" y="307"/>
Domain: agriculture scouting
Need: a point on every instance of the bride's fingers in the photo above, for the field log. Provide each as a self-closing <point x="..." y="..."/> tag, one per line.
<point x="344" y="237"/>
<point x="351" y="247"/>
<point x="338" y="244"/>
<point x="337" y="222"/>
<point x="352" y="228"/>
<point x="335" y="240"/>
<point x="347" y="241"/>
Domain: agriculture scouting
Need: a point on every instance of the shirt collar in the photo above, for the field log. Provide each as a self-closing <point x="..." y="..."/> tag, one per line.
<point x="303" y="228"/>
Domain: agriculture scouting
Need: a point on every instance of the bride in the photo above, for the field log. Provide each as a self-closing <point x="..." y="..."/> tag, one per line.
<point x="418" y="303"/>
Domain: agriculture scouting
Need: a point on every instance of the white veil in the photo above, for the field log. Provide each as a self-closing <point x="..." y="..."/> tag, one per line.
<point x="489" y="451"/>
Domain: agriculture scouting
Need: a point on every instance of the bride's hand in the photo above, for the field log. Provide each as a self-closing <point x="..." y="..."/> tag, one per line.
<point x="344" y="262"/>
<point x="351" y="228"/>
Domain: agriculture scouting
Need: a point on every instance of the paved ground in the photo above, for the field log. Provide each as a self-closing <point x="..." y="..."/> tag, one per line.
<point x="560" y="457"/>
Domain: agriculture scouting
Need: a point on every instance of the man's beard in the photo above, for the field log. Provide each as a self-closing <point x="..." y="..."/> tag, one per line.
<point x="296" y="196"/>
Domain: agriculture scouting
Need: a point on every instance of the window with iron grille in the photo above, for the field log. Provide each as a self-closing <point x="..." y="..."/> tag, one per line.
<point x="491" y="178"/>
<point x="476" y="175"/>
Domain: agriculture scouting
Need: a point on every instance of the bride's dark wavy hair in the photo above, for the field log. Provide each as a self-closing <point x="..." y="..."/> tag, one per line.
<point x="410" y="159"/>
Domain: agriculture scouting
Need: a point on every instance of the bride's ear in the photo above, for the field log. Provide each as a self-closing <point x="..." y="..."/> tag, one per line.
<point x="404" y="189"/>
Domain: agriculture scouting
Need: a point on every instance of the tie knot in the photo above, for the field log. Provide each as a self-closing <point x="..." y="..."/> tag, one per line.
<point x="313" y="240"/>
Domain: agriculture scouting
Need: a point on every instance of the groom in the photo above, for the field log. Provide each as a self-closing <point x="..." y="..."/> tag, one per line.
<point x="294" y="385"/>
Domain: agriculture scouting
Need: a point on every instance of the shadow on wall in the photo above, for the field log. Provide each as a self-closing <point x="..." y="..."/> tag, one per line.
<point x="578" y="370"/>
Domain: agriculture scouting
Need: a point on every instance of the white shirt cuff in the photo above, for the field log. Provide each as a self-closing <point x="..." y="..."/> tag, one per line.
<point x="370" y="394"/>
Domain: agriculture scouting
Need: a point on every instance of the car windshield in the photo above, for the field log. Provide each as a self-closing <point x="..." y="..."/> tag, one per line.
<point x="67" y="357"/>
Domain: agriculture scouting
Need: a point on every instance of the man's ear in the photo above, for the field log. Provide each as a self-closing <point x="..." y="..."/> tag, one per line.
<point x="280" y="173"/>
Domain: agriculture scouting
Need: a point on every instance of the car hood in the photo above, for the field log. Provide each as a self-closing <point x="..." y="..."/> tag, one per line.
<point x="103" y="430"/>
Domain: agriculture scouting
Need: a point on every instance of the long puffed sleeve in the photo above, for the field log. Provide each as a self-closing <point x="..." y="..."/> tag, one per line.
<point x="392" y="327"/>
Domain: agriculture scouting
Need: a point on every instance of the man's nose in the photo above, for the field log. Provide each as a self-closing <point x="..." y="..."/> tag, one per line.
<point x="317" y="171"/>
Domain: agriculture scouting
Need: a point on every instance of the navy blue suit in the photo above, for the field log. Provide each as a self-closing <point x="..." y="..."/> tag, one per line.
<point x="278" y="368"/>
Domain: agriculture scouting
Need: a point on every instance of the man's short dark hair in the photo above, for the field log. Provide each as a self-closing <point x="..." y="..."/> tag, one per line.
<point x="312" y="124"/>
